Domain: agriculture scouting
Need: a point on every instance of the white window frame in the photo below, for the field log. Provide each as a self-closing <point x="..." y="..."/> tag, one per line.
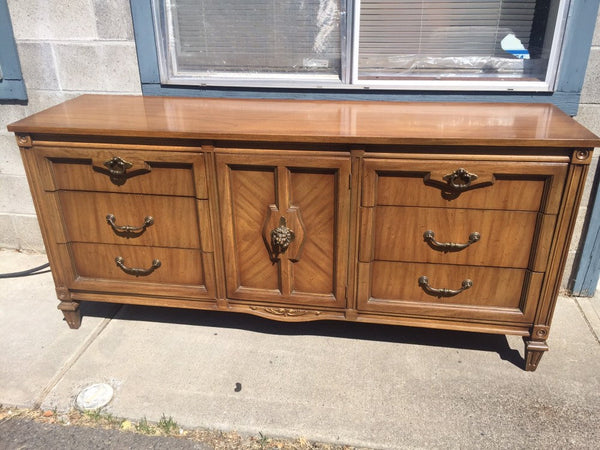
<point x="349" y="79"/>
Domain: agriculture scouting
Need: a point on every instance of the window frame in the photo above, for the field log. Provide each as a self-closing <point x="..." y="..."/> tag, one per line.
<point x="12" y="85"/>
<point x="576" y="46"/>
<point x="473" y="84"/>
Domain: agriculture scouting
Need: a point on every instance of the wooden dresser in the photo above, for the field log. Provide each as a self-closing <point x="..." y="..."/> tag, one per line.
<point x="444" y="215"/>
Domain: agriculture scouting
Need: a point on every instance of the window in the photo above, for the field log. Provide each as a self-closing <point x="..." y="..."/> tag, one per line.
<point x="12" y="86"/>
<point x="404" y="44"/>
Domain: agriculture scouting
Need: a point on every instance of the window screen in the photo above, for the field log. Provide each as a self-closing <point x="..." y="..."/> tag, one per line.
<point x="455" y="38"/>
<point x="276" y="37"/>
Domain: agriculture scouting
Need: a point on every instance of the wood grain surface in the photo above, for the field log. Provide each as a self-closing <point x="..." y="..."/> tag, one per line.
<point x="312" y="121"/>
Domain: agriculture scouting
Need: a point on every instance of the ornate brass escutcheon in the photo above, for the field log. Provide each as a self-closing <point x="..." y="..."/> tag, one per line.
<point x="453" y="184"/>
<point x="117" y="169"/>
<point x="281" y="237"/>
<point x="283" y="232"/>
<point x="424" y="284"/>
<point x="120" y="170"/>
<point x="460" y="179"/>
<point x="128" y="230"/>
<point x="429" y="237"/>
<point x="137" y="272"/>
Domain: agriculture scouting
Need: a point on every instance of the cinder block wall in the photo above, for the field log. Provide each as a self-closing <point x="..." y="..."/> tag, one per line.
<point x="87" y="46"/>
<point x="66" y="49"/>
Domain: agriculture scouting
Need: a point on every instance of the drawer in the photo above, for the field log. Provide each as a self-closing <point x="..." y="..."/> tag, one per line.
<point x="486" y="238"/>
<point x="501" y="294"/>
<point x="177" y="266"/>
<point x="522" y="186"/>
<point x="173" y="223"/>
<point x="163" y="173"/>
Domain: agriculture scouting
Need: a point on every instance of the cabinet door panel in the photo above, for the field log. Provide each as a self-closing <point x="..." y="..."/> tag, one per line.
<point x="308" y="197"/>
<point x="252" y="188"/>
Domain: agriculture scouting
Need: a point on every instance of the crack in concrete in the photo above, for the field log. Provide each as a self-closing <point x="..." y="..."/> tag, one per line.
<point x="73" y="359"/>
<point x="587" y="321"/>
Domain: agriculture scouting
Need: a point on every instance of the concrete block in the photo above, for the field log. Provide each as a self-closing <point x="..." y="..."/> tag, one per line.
<point x="37" y="64"/>
<point x="591" y="86"/>
<point x="578" y="229"/>
<point x="8" y="236"/>
<point x="568" y="272"/>
<point x="104" y="67"/>
<point x="596" y="38"/>
<point x="27" y="233"/>
<point x="113" y="19"/>
<point x="14" y="195"/>
<point x="589" y="182"/>
<point x="589" y="116"/>
<point x="41" y="99"/>
<point x="10" y="159"/>
<point x="38" y="100"/>
<point x="10" y="114"/>
<point x="53" y="19"/>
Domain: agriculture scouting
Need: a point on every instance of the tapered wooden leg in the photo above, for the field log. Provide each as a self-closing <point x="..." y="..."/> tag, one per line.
<point x="534" y="350"/>
<point x="72" y="314"/>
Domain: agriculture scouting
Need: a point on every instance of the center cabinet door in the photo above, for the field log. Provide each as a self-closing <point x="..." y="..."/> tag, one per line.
<point x="285" y="225"/>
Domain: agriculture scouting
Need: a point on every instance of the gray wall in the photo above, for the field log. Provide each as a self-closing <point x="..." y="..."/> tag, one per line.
<point x="68" y="48"/>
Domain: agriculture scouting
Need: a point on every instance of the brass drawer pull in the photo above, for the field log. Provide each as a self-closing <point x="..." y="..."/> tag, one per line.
<point x="137" y="272"/>
<point x="429" y="237"/>
<point x="424" y="283"/>
<point x="128" y="230"/>
<point x="460" y="179"/>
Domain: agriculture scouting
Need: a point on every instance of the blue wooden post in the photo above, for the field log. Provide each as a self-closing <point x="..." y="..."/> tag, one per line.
<point x="12" y="86"/>
<point x="587" y="272"/>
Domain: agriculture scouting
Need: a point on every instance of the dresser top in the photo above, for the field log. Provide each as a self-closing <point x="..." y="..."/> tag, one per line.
<point x="425" y="123"/>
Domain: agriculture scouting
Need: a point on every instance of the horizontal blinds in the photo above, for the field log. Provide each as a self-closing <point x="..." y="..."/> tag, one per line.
<point x="458" y="34"/>
<point x="275" y="36"/>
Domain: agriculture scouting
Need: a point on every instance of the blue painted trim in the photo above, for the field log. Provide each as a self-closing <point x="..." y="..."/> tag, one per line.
<point x="12" y="86"/>
<point x="143" y="30"/>
<point x="587" y="271"/>
<point x="576" y="48"/>
<point x="577" y="45"/>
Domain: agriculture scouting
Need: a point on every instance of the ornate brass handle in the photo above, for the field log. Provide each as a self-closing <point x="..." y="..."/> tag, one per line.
<point x="429" y="237"/>
<point x="281" y="237"/>
<point x="137" y="272"/>
<point x="117" y="166"/>
<point x="460" y="179"/>
<point x="424" y="283"/>
<point x="128" y="229"/>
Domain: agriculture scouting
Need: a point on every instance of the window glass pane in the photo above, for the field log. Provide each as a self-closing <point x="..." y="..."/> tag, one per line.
<point x="268" y="37"/>
<point x="456" y="39"/>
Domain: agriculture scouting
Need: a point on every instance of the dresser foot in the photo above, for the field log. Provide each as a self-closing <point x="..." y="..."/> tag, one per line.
<point x="72" y="314"/>
<point x="534" y="351"/>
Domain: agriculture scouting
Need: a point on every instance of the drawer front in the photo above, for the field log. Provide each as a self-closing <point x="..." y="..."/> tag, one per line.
<point x="154" y="220"/>
<point x="133" y="171"/>
<point x="308" y="197"/>
<point x="489" y="293"/>
<point x="522" y="186"/>
<point x="452" y="236"/>
<point x="176" y="267"/>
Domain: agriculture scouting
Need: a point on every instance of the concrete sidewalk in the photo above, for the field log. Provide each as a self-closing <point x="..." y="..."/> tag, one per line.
<point x="345" y="383"/>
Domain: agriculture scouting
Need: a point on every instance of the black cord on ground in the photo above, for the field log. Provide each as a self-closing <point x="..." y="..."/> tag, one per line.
<point x="24" y="273"/>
